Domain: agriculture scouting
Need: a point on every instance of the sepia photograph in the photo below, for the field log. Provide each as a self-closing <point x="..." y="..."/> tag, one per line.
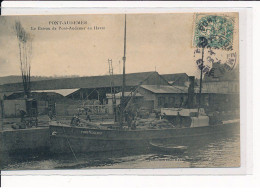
<point x="120" y="91"/>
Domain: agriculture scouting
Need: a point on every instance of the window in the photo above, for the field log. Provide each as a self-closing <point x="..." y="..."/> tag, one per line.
<point x="161" y="101"/>
<point x="171" y="101"/>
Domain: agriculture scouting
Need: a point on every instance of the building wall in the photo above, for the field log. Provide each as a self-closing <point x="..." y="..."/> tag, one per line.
<point x="66" y="109"/>
<point x="221" y="87"/>
<point x="138" y="101"/>
<point x="70" y="109"/>
<point x="170" y="100"/>
<point x="11" y="107"/>
<point x="163" y="100"/>
<point x="149" y="98"/>
<point x="42" y="107"/>
<point x="181" y="100"/>
<point x="224" y="102"/>
<point x="223" y="95"/>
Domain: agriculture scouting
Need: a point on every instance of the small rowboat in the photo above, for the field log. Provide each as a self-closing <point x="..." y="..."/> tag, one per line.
<point x="167" y="148"/>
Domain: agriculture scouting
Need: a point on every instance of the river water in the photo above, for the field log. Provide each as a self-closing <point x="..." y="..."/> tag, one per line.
<point x="214" y="150"/>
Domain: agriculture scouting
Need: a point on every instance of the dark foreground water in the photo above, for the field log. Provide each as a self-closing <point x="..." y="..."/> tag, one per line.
<point x="215" y="150"/>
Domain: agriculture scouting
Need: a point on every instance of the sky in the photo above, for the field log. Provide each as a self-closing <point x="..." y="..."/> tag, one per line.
<point x="161" y="42"/>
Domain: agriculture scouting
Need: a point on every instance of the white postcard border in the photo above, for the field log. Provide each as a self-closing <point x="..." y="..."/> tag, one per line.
<point x="245" y="41"/>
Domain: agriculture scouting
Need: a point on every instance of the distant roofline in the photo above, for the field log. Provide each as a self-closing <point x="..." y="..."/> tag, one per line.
<point x="148" y="87"/>
<point x="76" y="77"/>
<point x="10" y="87"/>
<point x="175" y="74"/>
<point x="219" y="81"/>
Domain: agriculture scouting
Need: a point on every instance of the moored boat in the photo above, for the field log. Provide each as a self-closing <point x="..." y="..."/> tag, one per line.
<point x="65" y="138"/>
<point x="180" y="125"/>
<point x="168" y="149"/>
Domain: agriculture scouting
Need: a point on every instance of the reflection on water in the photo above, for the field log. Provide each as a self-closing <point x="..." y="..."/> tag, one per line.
<point x="215" y="150"/>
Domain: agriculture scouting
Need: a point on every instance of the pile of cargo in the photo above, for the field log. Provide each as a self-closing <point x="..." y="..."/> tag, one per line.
<point x="79" y="122"/>
<point x="89" y="125"/>
<point x="152" y="123"/>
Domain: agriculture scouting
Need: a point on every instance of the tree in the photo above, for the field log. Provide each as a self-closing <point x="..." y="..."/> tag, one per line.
<point x="25" y="52"/>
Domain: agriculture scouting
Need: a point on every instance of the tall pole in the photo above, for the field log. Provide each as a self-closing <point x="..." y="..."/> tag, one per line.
<point x="122" y="104"/>
<point x="201" y="69"/>
<point x="112" y="89"/>
<point x="124" y="59"/>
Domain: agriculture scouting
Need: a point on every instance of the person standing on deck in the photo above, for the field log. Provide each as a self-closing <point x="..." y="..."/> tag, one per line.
<point x="22" y="115"/>
<point x="87" y="114"/>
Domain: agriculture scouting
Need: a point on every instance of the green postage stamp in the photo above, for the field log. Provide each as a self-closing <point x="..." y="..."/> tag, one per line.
<point x="217" y="29"/>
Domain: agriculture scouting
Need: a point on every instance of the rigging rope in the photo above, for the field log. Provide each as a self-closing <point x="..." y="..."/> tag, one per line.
<point x="70" y="147"/>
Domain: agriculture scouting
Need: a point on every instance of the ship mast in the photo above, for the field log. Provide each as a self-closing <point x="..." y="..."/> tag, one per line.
<point x="203" y="42"/>
<point x="122" y="104"/>
<point x="201" y="70"/>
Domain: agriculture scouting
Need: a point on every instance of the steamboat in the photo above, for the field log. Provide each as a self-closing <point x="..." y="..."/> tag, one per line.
<point x="177" y="125"/>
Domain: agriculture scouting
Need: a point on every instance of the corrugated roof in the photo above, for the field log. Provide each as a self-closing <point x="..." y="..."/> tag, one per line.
<point x="176" y="76"/>
<point x="159" y="89"/>
<point x="36" y="95"/>
<point x="132" y="79"/>
<point x="63" y="92"/>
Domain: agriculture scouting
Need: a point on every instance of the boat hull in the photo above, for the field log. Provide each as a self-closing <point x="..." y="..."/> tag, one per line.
<point x="168" y="149"/>
<point x="67" y="139"/>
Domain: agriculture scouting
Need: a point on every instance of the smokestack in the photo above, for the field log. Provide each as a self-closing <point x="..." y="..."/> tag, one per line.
<point x="191" y="91"/>
<point x="192" y="83"/>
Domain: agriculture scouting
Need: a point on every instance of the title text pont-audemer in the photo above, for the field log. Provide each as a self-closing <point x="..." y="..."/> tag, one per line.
<point x="76" y="22"/>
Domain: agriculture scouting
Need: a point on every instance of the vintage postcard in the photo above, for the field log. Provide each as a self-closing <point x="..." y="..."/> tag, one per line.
<point x="120" y="91"/>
